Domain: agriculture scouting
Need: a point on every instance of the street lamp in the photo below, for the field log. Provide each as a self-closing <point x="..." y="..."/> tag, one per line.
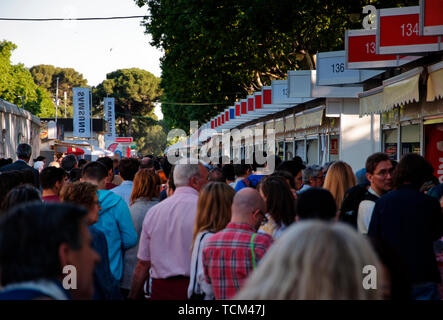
<point x="23" y="101"/>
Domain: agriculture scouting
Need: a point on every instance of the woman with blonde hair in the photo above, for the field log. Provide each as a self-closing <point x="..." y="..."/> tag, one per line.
<point x="339" y="179"/>
<point x="213" y="215"/>
<point x="297" y="266"/>
<point x="145" y="194"/>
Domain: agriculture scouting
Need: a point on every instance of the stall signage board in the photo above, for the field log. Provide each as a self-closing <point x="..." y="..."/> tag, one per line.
<point x="123" y="139"/>
<point x="331" y="70"/>
<point x="280" y="93"/>
<point x="398" y="33"/>
<point x="431" y="17"/>
<point x="360" y="52"/>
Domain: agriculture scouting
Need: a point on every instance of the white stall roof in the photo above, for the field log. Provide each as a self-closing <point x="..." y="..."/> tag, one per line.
<point x="331" y="70"/>
<point x="302" y="84"/>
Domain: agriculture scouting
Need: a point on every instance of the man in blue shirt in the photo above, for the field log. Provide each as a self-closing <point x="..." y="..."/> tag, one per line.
<point x="114" y="218"/>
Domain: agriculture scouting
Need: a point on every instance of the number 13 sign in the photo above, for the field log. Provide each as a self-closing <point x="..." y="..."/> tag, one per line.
<point x="360" y="51"/>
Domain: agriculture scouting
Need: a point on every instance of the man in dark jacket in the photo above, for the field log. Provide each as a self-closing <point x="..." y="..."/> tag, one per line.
<point x="409" y="222"/>
<point x="24" y="152"/>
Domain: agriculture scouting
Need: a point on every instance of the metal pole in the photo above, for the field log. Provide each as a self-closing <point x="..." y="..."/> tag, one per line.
<point x="56" y="102"/>
<point x="90" y="97"/>
<point x="65" y="96"/>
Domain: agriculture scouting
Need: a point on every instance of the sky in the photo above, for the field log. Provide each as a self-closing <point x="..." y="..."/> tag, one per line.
<point x="93" y="48"/>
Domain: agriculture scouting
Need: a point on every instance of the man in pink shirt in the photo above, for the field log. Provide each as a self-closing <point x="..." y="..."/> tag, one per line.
<point x="166" y="238"/>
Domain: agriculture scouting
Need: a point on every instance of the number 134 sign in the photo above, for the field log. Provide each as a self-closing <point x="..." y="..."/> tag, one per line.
<point x="398" y="32"/>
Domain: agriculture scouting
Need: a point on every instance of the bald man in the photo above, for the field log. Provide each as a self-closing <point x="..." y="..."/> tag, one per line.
<point x="231" y="254"/>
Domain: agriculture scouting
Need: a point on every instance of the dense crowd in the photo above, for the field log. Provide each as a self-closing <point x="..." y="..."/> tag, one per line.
<point x="141" y="228"/>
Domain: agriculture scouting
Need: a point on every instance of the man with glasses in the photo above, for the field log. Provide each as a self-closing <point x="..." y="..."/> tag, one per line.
<point x="379" y="173"/>
<point x="230" y="255"/>
<point x="313" y="177"/>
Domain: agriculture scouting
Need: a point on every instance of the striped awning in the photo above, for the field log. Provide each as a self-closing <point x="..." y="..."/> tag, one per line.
<point x="394" y="92"/>
<point x="310" y="118"/>
<point x="435" y="82"/>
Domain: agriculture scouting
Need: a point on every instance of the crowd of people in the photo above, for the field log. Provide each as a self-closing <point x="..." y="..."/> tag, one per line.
<point x="141" y="228"/>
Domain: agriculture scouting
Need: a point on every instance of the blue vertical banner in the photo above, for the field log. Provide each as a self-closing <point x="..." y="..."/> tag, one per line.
<point x="110" y="116"/>
<point x="81" y="118"/>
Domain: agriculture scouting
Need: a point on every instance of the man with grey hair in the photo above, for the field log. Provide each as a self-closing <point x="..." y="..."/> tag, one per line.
<point x="312" y="178"/>
<point x="166" y="238"/>
<point x="24" y="153"/>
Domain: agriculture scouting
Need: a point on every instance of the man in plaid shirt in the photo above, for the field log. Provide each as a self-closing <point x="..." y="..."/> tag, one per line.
<point x="227" y="255"/>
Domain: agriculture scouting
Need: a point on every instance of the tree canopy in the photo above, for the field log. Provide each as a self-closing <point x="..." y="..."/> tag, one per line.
<point x="17" y="85"/>
<point x="220" y="51"/>
<point x="68" y="78"/>
<point x="135" y="92"/>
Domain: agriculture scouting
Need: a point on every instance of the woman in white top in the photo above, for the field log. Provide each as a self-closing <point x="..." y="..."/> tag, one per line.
<point x="145" y="195"/>
<point x="213" y="215"/>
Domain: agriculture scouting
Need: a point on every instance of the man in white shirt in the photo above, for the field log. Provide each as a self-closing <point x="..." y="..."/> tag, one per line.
<point x="379" y="173"/>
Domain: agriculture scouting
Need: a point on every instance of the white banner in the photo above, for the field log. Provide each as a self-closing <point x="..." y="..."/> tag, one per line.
<point x="82" y="120"/>
<point x="110" y="116"/>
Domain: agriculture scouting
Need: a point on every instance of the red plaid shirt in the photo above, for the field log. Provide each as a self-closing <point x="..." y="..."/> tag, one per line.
<point x="227" y="258"/>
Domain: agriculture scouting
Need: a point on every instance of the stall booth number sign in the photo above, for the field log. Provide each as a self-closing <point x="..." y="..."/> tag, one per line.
<point x="398" y="32"/>
<point x="431" y="17"/>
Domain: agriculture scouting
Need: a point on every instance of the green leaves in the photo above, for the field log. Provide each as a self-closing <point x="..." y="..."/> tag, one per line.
<point x="220" y="51"/>
<point x="68" y="78"/>
<point x="135" y="92"/>
<point x="17" y="85"/>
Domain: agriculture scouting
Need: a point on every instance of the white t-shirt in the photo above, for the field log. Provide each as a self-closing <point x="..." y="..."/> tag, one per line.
<point x="365" y="210"/>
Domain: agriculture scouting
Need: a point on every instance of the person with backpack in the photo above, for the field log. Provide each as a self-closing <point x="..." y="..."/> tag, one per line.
<point x="359" y="201"/>
<point x="379" y="171"/>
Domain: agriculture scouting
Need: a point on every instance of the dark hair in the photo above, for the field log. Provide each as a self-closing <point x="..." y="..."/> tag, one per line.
<point x="285" y="175"/>
<point x="75" y="175"/>
<point x="24" y="151"/>
<point x="95" y="171"/>
<point x="316" y="203"/>
<point x="30" y="239"/>
<point x="373" y="160"/>
<point x="9" y="180"/>
<point x="50" y="175"/>
<point x="216" y="175"/>
<point x="39" y="158"/>
<point x="166" y="165"/>
<point x="280" y="202"/>
<point x="399" y="279"/>
<point x="82" y="162"/>
<point x="228" y="171"/>
<point x="147" y="164"/>
<point x="241" y="169"/>
<point x="412" y="169"/>
<point x="27" y="176"/>
<point x="107" y="162"/>
<point x="19" y="195"/>
<point x="69" y="162"/>
<point x="171" y="183"/>
<point x="292" y="166"/>
<point x="128" y="167"/>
